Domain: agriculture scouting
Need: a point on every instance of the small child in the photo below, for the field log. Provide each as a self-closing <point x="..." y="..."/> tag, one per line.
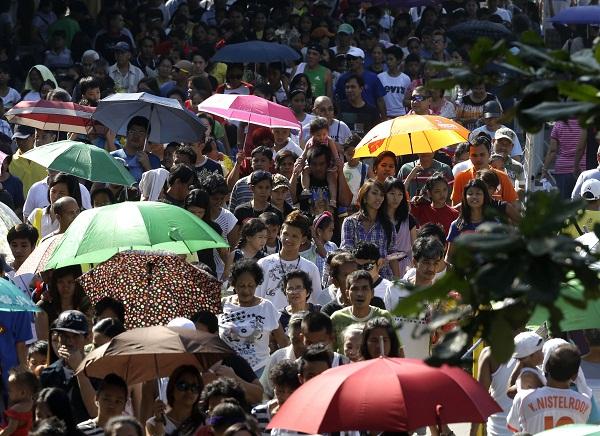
<point x="497" y="162"/>
<point x="322" y="233"/>
<point x="37" y="356"/>
<point x="527" y="375"/>
<point x="253" y="238"/>
<point x="273" y="223"/>
<point x="353" y="336"/>
<point x="438" y="211"/>
<point x="319" y="135"/>
<point x="22" y="387"/>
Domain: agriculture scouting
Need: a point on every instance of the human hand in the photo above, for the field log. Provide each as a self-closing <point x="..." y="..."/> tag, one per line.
<point x="144" y="160"/>
<point x="158" y="411"/>
<point x="240" y="158"/>
<point x="225" y="371"/>
<point x="72" y="357"/>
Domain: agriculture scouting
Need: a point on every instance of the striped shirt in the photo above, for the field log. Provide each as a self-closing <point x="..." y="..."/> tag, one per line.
<point x="567" y="134"/>
<point x="90" y="428"/>
<point x="241" y="193"/>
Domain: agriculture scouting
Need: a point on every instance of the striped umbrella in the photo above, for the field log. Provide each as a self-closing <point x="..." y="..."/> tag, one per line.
<point x="52" y="115"/>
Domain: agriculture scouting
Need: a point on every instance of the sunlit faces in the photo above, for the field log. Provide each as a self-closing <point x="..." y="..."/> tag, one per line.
<point x="296" y="292"/>
<point x="438" y="194"/>
<point x="475" y="197"/>
<point x="394" y="197"/>
<point x="385" y="168"/>
<point x="262" y="190"/>
<point x="377" y="337"/>
<point x="374" y="198"/>
<point x="245" y="288"/>
<point x="291" y="237"/>
<point x="360" y="293"/>
<point x="480" y="156"/>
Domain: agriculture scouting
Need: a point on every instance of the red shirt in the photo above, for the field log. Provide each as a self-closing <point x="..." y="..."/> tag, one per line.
<point x="426" y="213"/>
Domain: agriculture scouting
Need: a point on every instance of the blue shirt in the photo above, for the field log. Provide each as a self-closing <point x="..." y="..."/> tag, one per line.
<point x="15" y="187"/>
<point x="14" y="327"/>
<point x="133" y="164"/>
<point x="371" y="92"/>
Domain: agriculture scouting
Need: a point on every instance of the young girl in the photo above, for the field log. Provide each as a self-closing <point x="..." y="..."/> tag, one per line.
<point x="22" y="387"/>
<point x="437" y="210"/>
<point x="474" y="201"/>
<point x="322" y="233"/>
<point x="253" y="238"/>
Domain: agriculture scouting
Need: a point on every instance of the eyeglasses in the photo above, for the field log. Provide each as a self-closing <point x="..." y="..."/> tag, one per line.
<point x="367" y="266"/>
<point x="296" y="290"/>
<point x="418" y="98"/>
<point x="184" y="387"/>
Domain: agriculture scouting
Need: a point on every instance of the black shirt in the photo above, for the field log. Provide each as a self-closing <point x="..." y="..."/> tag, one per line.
<point x="245" y="211"/>
<point x="209" y="166"/>
<point x="359" y="120"/>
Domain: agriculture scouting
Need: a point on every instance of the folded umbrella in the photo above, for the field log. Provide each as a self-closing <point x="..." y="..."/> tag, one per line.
<point x="411" y="134"/>
<point x="81" y="160"/>
<point x="578" y="15"/>
<point x="12" y="299"/>
<point x="52" y="115"/>
<point x="256" y="52"/>
<point x="98" y="234"/>
<point x="250" y="109"/>
<point x="359" y="396"/>
<point x="154" y="287"/>
<point x="169" y="121"/>
<point x="145" y="354"/>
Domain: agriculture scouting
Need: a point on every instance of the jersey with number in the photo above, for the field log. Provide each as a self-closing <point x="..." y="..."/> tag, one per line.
<point x="534" y="411"/>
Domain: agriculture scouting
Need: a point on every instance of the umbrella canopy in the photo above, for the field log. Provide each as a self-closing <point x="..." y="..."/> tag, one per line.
<point x="168" y="120"/>
<point x="144" y="354"/>
<point x="38" y="258"/>
<point x="12" y="299"/>
<point x="250" y="109"/>
<point x="358" y="397"/>
<point x="154" y="287"/>
<point x="578" y="15"/>
<point x="256" y="51"/>
<point x="572" y="430"/>
<point x="8" y="219"/>
<point x="81" y="160"/>
<point x="52" y="115"/>
<point x="473" y="29"/>
<point x="98" y="234"/>
<point x="411" y="134"/>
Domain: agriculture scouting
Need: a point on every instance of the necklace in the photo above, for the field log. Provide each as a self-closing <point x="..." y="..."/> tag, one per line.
<point x="281" y="263"/>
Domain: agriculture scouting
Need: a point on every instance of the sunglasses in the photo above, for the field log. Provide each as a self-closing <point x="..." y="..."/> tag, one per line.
<point x="367" y="266"/>
<point x="184" y="387"/>
<point x="418" y="98"/>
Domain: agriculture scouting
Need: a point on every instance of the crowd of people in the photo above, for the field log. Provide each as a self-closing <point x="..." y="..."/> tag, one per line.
<point x="323" y="245"/>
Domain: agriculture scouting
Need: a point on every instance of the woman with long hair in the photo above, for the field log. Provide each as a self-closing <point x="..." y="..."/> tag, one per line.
<point x="379" y="339"/>
<point x="405" y="226"/>
<point x="371" y="224"/>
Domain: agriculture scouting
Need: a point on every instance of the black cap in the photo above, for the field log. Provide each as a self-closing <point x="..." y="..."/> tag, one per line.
<point x="260" y="175"/>
<point x="492" y="109"/>
<point x="72" y="321"/>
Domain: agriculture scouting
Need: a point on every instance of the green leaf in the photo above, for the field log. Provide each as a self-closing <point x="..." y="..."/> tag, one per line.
<point x="579" y="91"/>
<point x="496" y="278"/>
<point x="532" y="38"/>
<point x="553" y="111"/>
<point x="501" y="338"/>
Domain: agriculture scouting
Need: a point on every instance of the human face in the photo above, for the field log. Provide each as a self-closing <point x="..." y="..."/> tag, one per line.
<point x="259" y="240"/>
<point x="136" y="137"/>
<point x="475" y="197"/>
<point x="278" y="196"/>
<point x="70" y="212"/>
<point x="426" y="269"/>
<point x="286" y="166"/>
<point x="16" y="392"/>
<point x="281" y="136"/>
<point x="503" y="146"/>
<point x="360" y="294"/>
<point x="164" y="68"/>
<point x="374" y="342"/>
<point x="198" y="211"/>
<point x="282" y="393"/>
<point x="199" y="64"/>
<point x="58" y="191"/>
<point x="245" y="287"/>
<point x="124" y="429"/>
<point x="394" y="197"/>
<point x="35" y="79"/>
<point x="298" y="103"/>
<point x="272" y="232"/>
<point x="262" y="190"/>
<point x="101" y="199"/>
<point x="377" y="55"/>
<point x="439" y="44"/>
<point x="385" y="169"/>
<point x="20" y="248"/>
<point x="312" y="57"/>
<point x="235" y="77"/>
<point x="122" y="57"/>
<point x="187" y="390"/>
<point x="479" y="91"/>
<point x="111" y="401"/>
<point x="321" y="136"/>
<point x="352" y="345"/>
<point x="260" y="162"/>
<point x="326" y="233"/>
<point x="318" y="337"/>
<point x="324" y="109"/>
<point x="296" y="292"/>
<point x="480" y="157"/>
<point x="420" y="103"/>
<point x="71" y="341"/>
<point x="391" y="61"/>
<point x="92" y="94"/>
<point x="318" y="167"/>
<point x="439" y="194"/>
<point x="313" y="369"/>
<point x="291" y="237"/>
<point x="42" y="411"/>
<point x="66" y="287"/>
<point x="354" y="63"/>
<point x="215" y="201"/>
<point x="353" y="90"/>
<point x="374" y="198"/>
<point x="35" y="360"/>
<point x="344" y="271"/>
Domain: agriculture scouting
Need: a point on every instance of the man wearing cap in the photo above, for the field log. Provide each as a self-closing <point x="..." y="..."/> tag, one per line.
<point x="319" y="75"/>
<point x="125" y="75"/>
<point x="343" y="41"/>
<point x="504" y="140"/>
<point x="586" y="175"/>
<point x="373" y="91"/>
<point x="281" y="198"/>
<point x="182" y="70"/>
<point x="72" y="329"/>
<point x="590" y="192"/>
<point x="28" y="171"/>
<point x="492" y="112"/>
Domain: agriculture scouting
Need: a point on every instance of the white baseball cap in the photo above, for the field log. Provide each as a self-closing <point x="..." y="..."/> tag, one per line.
<point x="526" y="344"/>
<point x="590" y="190"/>
<point x="182" y="322"/>
<point x="356" y="52"/>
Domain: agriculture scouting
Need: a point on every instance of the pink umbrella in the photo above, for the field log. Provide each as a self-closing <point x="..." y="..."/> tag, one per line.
<point x="52" y="115"/>
<point x="250" y="109"/>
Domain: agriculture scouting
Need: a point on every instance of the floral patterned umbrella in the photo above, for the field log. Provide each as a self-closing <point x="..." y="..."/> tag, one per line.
<point x="155" y="287"/>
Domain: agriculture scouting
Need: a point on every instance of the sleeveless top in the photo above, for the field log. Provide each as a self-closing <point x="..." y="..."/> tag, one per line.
<point x="25" y="420"/>
<point x="496" y="423"/>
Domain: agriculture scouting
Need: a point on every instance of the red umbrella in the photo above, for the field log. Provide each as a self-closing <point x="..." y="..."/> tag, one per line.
<point x="52" y="115"/>
<point x="384" y="394"/>
<point x="250" y="109"/>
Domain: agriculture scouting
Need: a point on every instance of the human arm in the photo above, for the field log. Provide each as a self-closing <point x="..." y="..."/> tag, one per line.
<point x="580" y="151"/>
<point x="13" y="426"/>
<point x="329" y="84"/>
<point x="88" y="394"/>
<point x="484" y="377"/>
<point x="280" y="337"/>
<point x="344" y="192"/>
<point x="550" y="155"/>
<point x="253" y="389"/>
<point x="144" y="160"/>
<point x="156" y="426"/>
<point x="512" y="212"/>
<point x="41" y="325"/>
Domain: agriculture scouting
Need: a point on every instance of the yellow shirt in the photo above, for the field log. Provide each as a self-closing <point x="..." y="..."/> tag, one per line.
<point x="587" y="220"/>
<point x="28" y="171"/>
<point x="219" y="70"/>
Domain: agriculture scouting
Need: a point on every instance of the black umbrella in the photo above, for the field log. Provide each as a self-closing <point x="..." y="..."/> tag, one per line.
<point x="473" y="29"/>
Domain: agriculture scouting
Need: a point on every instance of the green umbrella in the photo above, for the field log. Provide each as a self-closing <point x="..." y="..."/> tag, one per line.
<point x="574" y="318"/>
<point x="12" y="299"/>
<point x="572" y="430"/>
<point x="98" y="234"/>
<point x="82" y="160"/>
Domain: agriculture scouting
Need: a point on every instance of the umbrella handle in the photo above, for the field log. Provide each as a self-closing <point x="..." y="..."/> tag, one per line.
<point x="438" y="417"/>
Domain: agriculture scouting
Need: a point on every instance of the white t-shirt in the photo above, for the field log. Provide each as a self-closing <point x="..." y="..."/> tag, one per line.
<point x="291" y="146"/>
<point x="11" y="98"/>
<point x="227" y="221"/>
<point x="274" y="268"/>
<point x="338" y="131"/>
<point x="381" y="288"/>
<point x="353" y="177"/>
<point x="395" y="88"/>
<point x="37" y="196"/>
<point x="461" y="166"/>
<point x="247" y="330"/>
<point x="536" y="410"/>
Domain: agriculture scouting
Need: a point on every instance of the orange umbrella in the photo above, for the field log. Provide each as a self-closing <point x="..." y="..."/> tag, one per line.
<point x="411" y="134"/>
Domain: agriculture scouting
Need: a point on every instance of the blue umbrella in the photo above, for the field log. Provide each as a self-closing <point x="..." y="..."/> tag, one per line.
<point x="168" y="120"/>
<point x="578" y="15"/>
<point x="12" y="299"/>
<point x="256" y="52"/>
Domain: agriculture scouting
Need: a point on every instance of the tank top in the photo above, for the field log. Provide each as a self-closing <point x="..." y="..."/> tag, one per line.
<point x="316" y="77"/>
<point x="496" y="423"/>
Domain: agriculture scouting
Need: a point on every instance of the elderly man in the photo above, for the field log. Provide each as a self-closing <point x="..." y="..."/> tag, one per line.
<point x="66" y="210"/>
<point x="338" y="130"/>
